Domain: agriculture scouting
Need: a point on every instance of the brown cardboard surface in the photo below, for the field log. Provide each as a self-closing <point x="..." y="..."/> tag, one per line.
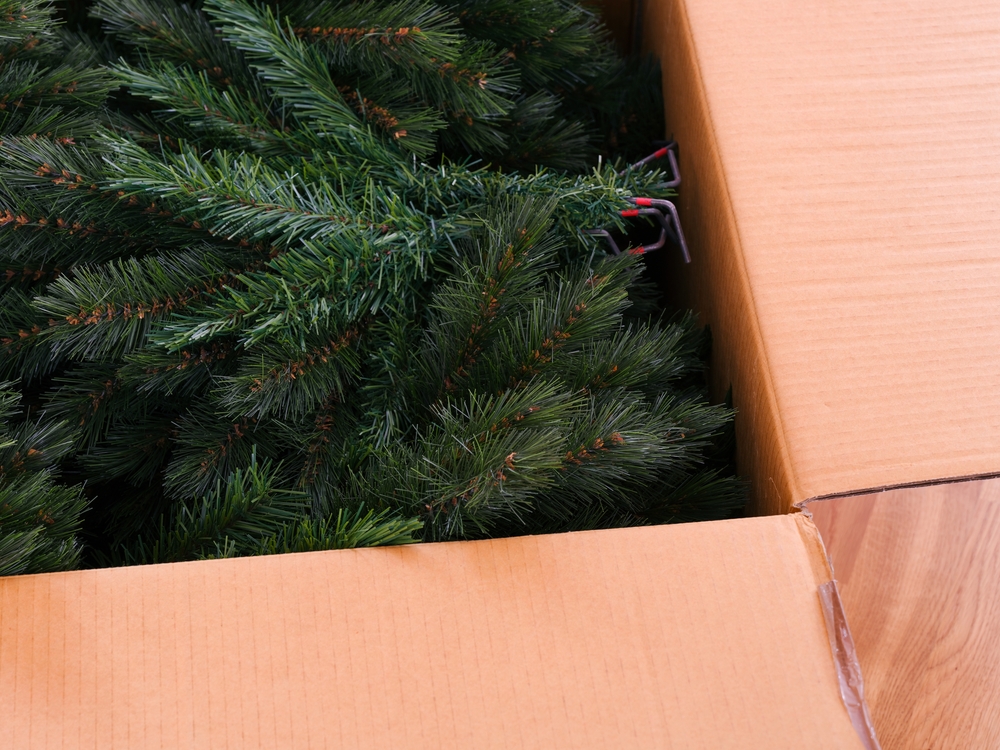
<point x="917" y="569"/>
<point x="694" y="636"/>
<point x="841" y="163"/>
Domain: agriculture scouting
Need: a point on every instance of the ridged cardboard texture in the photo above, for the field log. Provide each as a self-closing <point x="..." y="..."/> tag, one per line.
<point x="694" y="636"/>
<point x="841" y="163"/>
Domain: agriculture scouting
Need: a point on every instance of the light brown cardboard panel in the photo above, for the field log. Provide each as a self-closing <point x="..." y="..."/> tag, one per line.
<point x="715" y="283"/>
<point x="852" y="277"/>
<point x="918" y="573"/>
<point x="703" y="635"/>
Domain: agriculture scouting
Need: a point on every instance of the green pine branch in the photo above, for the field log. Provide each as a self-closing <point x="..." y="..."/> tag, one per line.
<point x="313" y="275"/>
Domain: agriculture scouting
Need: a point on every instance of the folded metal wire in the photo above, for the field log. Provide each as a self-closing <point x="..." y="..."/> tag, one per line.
<point x="664" y="211"/>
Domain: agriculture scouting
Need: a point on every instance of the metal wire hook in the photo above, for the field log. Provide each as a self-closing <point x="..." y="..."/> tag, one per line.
<point x="670" y="227"/>
<point x="675" y="230"/>
<point x="667" y="151"/>
<point x="606" y="235"/>
<point x="664" y="227"/>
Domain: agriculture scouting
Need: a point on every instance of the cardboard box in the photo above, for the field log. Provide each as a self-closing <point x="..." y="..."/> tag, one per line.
<point x="839" y="175"/>
<point x="696" y="636"/>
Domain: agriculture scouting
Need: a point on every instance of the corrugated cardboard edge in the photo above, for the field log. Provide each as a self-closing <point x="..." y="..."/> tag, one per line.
<point x="716" y="283"/>
<point x="845" y="656"/>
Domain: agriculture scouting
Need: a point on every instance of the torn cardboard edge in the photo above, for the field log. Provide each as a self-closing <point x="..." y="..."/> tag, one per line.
<point x="685" y="635"/>
<point x="845" y="656"/>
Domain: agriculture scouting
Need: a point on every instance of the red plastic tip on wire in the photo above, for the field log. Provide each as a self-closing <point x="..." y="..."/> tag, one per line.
<point x="629" y="213"/>
<point x="667" y="151"/>
<point x="666" y="213"/>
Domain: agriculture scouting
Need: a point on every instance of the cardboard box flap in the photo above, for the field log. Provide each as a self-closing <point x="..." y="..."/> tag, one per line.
<point x="702" y="635"/>
<point x="841" y="164"/>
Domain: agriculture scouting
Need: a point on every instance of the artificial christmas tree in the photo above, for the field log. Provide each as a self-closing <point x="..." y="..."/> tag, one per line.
<point x="290" y="296"/>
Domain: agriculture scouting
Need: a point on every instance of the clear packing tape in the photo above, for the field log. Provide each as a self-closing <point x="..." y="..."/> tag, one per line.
<point x="852" y="688"/>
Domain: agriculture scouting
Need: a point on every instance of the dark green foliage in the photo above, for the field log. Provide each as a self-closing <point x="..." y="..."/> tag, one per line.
<point x="529" y="403"/>
<point x="39" y="519"/>
<point x="250" y="515"/>
<point x="282" y="290"/>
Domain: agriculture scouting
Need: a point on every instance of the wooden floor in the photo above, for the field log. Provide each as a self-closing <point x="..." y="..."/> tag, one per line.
<point x="919" y="573"/>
